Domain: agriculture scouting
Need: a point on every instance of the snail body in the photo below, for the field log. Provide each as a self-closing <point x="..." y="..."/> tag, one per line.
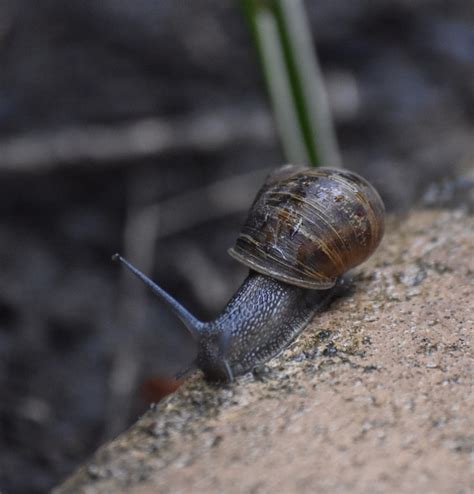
<point x="305" y="229"/>
<point x="260" y="320"/>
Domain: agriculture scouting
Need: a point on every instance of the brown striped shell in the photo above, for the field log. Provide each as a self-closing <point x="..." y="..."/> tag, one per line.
<point x="309" y="226"/>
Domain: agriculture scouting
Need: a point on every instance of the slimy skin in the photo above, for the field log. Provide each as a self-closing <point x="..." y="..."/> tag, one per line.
<point x="262" y="318"/>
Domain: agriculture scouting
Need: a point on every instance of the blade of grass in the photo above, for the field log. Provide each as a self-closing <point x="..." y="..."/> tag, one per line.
<point x="267" y="40"/>
<point x="293" y="78"/>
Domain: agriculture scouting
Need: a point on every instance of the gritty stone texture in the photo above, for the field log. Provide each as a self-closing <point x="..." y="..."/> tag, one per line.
<point x="375" y="396"/>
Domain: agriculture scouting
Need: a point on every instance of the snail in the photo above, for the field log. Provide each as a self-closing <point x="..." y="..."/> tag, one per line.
<point x="305" y="229"/>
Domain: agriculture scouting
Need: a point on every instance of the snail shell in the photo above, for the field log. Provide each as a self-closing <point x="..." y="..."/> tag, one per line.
<point x="309" y="226"/>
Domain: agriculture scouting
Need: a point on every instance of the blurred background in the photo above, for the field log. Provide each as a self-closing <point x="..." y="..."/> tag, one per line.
<point x="143" y="127"/>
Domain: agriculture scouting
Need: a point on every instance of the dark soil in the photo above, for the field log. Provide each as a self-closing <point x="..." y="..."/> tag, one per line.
<point x="400" y="82"/>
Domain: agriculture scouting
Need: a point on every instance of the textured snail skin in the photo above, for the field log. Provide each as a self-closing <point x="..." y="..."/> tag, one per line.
<point x="260" y="320"/>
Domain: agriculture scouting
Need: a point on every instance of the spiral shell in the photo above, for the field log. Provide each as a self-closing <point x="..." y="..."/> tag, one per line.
<point x="309" y="226"/>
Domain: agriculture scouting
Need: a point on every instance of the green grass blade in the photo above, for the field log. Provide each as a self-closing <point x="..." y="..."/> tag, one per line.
<point x="294" y="81"/>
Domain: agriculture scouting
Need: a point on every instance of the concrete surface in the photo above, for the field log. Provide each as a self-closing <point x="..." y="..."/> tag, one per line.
<point x="375" y="396"/>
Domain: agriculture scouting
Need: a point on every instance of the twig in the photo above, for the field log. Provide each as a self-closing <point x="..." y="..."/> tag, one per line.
<point x="108" y="145"/>
<point x="142" y="224"/>
<point x="216" y="200"/>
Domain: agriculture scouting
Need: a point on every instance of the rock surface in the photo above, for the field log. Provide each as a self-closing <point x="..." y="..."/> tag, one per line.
<point x="375" y="396"/>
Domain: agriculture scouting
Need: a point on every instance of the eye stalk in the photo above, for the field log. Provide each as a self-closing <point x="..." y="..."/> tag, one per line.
<point x="191" y="323"/>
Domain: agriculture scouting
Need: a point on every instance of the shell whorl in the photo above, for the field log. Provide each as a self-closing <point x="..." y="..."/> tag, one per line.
<point x="309" y="226"/>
